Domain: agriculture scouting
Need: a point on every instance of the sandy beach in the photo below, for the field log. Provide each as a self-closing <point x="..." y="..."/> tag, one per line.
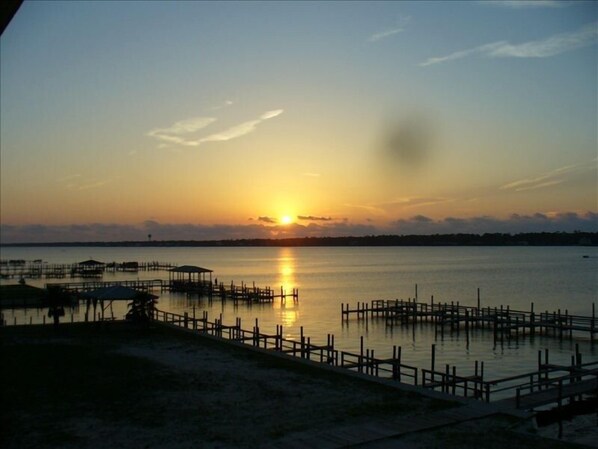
<point x="173" y="390"/>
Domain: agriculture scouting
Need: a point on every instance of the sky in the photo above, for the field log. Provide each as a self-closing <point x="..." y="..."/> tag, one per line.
<point x="226" y="120"/>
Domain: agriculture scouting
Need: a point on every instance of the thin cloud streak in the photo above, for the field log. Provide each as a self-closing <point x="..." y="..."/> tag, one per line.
<point x="313" y="218"/>
<point x="240" y="129"/>
<point x="548" y="179"/>
<point x="416" y="201"/>
<point x="551" y="46"/>
<point x="525" y="4"/>
<point x="94" y="185"/>
<point x="69" y="178"/>
<point x="391" y="31"/>
<point x="177" y="133"/>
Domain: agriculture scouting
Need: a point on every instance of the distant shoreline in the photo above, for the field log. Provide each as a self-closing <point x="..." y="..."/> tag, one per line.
<point x="495" y="239"/>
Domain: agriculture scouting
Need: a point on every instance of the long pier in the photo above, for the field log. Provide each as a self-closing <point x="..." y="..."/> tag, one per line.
<point x="17" y="269"/>
<point x="237" y="293"/>
<point x="87" y="286"/>
<point x="504" y="322"/>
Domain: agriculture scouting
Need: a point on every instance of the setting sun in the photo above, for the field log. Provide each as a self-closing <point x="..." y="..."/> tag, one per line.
<point x="286" y="219"/>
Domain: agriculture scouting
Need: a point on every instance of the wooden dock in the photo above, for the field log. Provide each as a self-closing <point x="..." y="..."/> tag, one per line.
<point x="236" y="293"/>
<point x="17" y="269"/>
<point x="445" y="380"/>
<point x="544" y="386"/>
<point x="504" y="322"/>
<point x="87" y="286"/>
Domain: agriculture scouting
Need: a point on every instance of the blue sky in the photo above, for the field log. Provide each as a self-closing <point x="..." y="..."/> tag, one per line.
<point x="364" y="116"/>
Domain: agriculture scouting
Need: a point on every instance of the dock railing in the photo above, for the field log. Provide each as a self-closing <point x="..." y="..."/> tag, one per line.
<point x="362" y="362"/>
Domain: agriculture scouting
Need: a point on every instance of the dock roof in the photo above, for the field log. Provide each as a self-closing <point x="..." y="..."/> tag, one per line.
<point x="91" y="262"/>
<point x="190" y="269"/>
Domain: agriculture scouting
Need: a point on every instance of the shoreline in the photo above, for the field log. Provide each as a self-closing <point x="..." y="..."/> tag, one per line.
<point x="488" y="239"/>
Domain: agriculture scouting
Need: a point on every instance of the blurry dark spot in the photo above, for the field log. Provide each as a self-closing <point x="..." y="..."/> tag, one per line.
<point x="409" y="140"/>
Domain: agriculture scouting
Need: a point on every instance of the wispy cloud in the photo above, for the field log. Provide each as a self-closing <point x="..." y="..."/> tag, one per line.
<point x="416" y="201"/>
<point x="226" y="104"/>
<point x="69" y="177"/>
<point x="312" y="175"/>
<point x="313" y="218"/>
<point x="398" y="28"/>
<point x="548" y="179"/>
<point x="94" y="185"/>
<point x="241" y="129"/>
<point x="267" y="220"/>
<point x="376" y="210"/>
<point x="78" y="182"/>
<point x="525" y="4"/>
<point x="551" y="46"/>
<point x="179" y="133"/>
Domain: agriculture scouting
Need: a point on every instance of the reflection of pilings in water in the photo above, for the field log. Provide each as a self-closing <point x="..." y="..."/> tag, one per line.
<point x="234" y="292"/>
<point x="506" y="323"/>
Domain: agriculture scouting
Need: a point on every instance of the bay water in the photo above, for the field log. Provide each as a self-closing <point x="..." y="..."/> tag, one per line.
<point x="551" y="278"/>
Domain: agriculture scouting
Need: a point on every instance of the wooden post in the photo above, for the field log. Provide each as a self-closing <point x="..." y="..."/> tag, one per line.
<point x="592" y="323"/>
<point x="256" y="334"/>
<point x="454" y="380"/>
<point x="433" y="363"/>
<point x="361" y="354"/>
<point x="467" y="326"/>
<point x="302" y="339"/>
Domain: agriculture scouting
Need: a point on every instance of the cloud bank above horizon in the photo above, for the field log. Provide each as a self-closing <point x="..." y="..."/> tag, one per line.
<point x="269" y="229"/>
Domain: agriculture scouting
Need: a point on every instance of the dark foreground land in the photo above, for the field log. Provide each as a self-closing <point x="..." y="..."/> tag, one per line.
<point x="118" y="385"/>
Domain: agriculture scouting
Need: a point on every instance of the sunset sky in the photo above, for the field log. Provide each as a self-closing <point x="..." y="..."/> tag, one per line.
<point x="199" y="120"/>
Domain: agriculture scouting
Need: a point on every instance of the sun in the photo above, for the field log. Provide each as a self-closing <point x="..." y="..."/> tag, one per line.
<point x="286" y="219"/>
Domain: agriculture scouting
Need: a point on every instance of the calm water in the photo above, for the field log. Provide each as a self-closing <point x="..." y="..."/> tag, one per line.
<point x="551" y="278"/>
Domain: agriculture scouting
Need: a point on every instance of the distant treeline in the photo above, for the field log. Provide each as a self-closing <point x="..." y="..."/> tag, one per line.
<point x="497" y="239"/>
